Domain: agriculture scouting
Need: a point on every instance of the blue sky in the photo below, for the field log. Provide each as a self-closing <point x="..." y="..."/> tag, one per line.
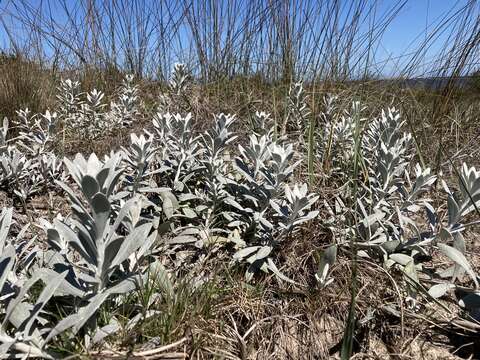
<point x="409" y="28"/>
<point x="416" y="19"/>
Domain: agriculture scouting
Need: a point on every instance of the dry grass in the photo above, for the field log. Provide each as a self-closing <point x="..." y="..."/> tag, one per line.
<point x="24" y="84"/>
<point x="247" y="54"/>
<point x="229" y="319"/>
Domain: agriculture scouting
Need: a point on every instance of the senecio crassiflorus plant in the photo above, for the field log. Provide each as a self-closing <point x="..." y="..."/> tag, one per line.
<point x="159" y="206"/>
<point x="168" y="191"/>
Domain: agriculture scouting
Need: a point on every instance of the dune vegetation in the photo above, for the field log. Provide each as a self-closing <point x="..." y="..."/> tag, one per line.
<point x="211" y="180"/>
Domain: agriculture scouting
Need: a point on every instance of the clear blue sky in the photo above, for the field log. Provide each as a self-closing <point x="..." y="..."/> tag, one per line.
<point x="409" y="29"/>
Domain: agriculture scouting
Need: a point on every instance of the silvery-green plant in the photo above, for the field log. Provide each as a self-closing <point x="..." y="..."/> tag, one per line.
<point x="342" y="140"/>
<point x="272" y="228"/>
<point x="92" y="114"/>
<point x="25" y="250"/>
<point x="139" y="157"/>
<point x="36" y="132"/>
<point x="50" y="168"/>
<point x="140" y="175"/>
<point x="105" y="251"/>
<point x="12" y="165"/>
<point x="325" y="261"/>
<point x="179" y="80"/>
<point x="108" y="172"/>
<point x="18" y="174"/>
<point x="32" y="164"/>
<point x="23" y="326"/>
<point x="69" y="104"/>
<point x="261" y="123"/>
<point x="297" y="111"/>
<point x="335" y="149"/>
<point x="219" y="196"/>
<point x="267" y="209"/>
<point x="23" y="331"/>
<point x="164" y="103"/>
<point x="180" y="149"/>
<point x="334" y="136"/>
<point x="468" y="297"/>
<point x="264" y="166"/>
<point x="390" y="199"/>
<point x="468" y="200"/>
<point x="3" y="134"/>
<point x="175" y="99"/>
<point x="206" y="206"/>
<point x="452" y="242"/>
<point x="386" y="150"/>
<point x="124" y="110"/>
<point x="69" y="96"/>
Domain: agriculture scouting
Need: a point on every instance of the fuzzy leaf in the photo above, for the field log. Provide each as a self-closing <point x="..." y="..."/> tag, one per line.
<point x="77" y="320"/>
<point x="243" y="253"/>
<point x="89" y="186"/>
<point x="263" y="252"/>
<point x="43" y="298"/>
<point x="457" y="257"/>
<point x="326" y="261"/>
<point x="439" y="290"/>
<point x="7" y="261"/>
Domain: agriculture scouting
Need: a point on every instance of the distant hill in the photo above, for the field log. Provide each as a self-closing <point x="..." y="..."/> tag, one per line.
<point x="427" y="83"/>
<point x="436" y="83"/>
